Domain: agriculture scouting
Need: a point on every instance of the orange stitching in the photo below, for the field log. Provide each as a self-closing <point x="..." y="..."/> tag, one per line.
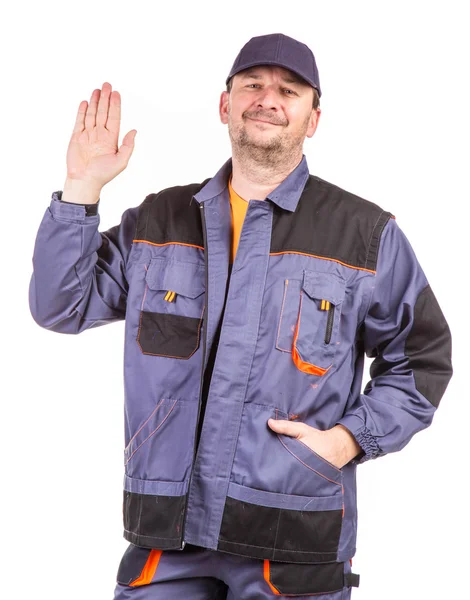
<point x="168" y="355"/>
<point x="169" y="243"/>
<point x="130" y="441"/>
<point x="327" y="462"/>
<point x="305" y="464"/>
<point x="280" y="319"/>
<point x="323" y="258"/>
<point x="301" y="364"/>
<point x="150" y="434"/>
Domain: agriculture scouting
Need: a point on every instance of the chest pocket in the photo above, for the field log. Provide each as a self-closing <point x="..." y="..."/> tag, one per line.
<point x="172" y="308"/>
<point x="309" y="321"/>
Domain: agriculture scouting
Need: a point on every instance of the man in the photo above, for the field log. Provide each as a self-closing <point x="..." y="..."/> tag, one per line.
<point x="249" y="302"/>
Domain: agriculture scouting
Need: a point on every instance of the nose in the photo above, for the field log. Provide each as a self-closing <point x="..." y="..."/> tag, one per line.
<point x="268" y="98"/>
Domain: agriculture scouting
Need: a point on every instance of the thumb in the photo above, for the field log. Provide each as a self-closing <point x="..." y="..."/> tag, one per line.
<point x="127" y="146"/>
<point x="291" y="428"/>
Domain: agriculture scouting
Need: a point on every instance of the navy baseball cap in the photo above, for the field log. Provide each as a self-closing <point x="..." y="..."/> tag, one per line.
<point x="280" y="50"/>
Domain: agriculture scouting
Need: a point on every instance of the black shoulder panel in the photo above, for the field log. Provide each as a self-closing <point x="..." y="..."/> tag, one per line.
<point x="331" y="223"/>
<point x="429" y="347"/>
<point x="171" y="216"/>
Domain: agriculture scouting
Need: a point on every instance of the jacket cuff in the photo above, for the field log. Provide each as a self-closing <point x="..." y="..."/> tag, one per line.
<point x="71" y="210"/>
<point x="364" y="437"/>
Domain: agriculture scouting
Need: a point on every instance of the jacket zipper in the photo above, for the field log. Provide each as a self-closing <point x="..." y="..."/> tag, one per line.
<point x="329" y="323"/>
<point x="203" y="361"/>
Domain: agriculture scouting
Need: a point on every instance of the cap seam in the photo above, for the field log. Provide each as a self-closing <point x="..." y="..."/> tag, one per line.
<point x="278" y="49"/>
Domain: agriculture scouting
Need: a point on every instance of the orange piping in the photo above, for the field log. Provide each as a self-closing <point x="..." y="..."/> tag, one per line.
<point x="168" y="243"/>
<point x="149" y="568"/>
<point x="266" y="577"/>
<point x="299" y="363"/>
<point x="323" y="258"/>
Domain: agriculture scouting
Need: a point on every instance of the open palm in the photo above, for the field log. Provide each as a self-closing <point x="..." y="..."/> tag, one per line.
<point x="93" y="154"/>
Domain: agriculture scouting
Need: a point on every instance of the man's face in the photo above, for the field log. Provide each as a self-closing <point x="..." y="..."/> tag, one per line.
<point x="268" y="111"/>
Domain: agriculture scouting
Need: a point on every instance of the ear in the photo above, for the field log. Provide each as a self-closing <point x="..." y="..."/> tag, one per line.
<point x="314" y="119"/>
<point x="223" y="107"/>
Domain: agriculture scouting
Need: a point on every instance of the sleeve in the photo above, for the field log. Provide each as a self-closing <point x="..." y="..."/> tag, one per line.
<point x="79" y="274"/>
<point x="406" y="333"/>
<point x="90" y="209"/>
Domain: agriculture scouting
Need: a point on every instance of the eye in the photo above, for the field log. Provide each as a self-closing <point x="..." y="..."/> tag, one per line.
<point x="291" y="92"/>
<point x="250" y="84"/>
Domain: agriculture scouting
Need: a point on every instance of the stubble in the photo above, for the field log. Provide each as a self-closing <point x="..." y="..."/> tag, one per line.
<point x="271" y="156"/>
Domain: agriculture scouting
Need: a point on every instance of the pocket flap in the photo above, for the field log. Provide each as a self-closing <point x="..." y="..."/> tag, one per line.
<point x="184" y="278"/>
<point x="299" y="579"/>
<point x="324" y="286"/>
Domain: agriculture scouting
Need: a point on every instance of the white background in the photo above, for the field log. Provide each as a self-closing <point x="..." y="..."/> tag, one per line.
<point x="394" y="129"/>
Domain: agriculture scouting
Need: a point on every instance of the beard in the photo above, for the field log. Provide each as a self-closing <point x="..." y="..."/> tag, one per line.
<point x="275" y="150"/>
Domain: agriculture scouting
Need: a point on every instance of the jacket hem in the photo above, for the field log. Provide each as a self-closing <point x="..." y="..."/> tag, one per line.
<point x="293" y="556"/>
<point x="148" y="541"/>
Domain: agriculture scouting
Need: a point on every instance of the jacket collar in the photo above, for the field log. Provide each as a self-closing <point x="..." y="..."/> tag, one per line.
<point x="286" y="195"/>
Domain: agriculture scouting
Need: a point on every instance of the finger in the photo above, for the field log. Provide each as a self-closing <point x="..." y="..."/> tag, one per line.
<point x="127" y="146"/>
<point x="103" y="105"/>
<point x="91" y="112"/>
<point x="287" y="427"/>
<point x="114" y="114"/>
<point x="80" y="120"/>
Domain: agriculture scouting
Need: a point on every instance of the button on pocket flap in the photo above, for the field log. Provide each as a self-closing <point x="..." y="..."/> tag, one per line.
<point x="184" y="278"/>
<point x="324" y="286"/>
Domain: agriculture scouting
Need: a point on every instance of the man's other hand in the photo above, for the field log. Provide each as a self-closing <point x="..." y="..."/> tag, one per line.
<point x="336" y="445"/>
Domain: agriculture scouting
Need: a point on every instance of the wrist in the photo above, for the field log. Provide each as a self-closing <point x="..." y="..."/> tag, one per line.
<point x="349" y="446"/>
<point x="78" y="191"/>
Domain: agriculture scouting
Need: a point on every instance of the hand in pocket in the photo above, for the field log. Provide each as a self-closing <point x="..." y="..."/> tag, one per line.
<point x="336" y="445"/>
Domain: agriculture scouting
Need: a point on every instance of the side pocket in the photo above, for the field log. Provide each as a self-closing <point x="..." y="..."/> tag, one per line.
<point x="161" y="448"/>
<point x="138" y="566"/>
<point x="309" y="458"/>
<point x="297" y="579"/>
<point x="151" y="425"/>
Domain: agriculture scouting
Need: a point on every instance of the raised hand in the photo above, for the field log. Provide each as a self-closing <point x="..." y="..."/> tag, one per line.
<point x="93" y="156"/>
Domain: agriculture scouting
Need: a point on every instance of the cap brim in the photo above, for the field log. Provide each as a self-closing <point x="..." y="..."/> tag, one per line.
<point x="276" y="63"/>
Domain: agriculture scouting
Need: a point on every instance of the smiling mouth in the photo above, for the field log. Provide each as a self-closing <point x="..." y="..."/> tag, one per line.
<point x="261" y="121"/>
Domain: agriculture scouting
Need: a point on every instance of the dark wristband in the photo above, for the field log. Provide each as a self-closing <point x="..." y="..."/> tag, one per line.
<point x="90" y="209"/>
